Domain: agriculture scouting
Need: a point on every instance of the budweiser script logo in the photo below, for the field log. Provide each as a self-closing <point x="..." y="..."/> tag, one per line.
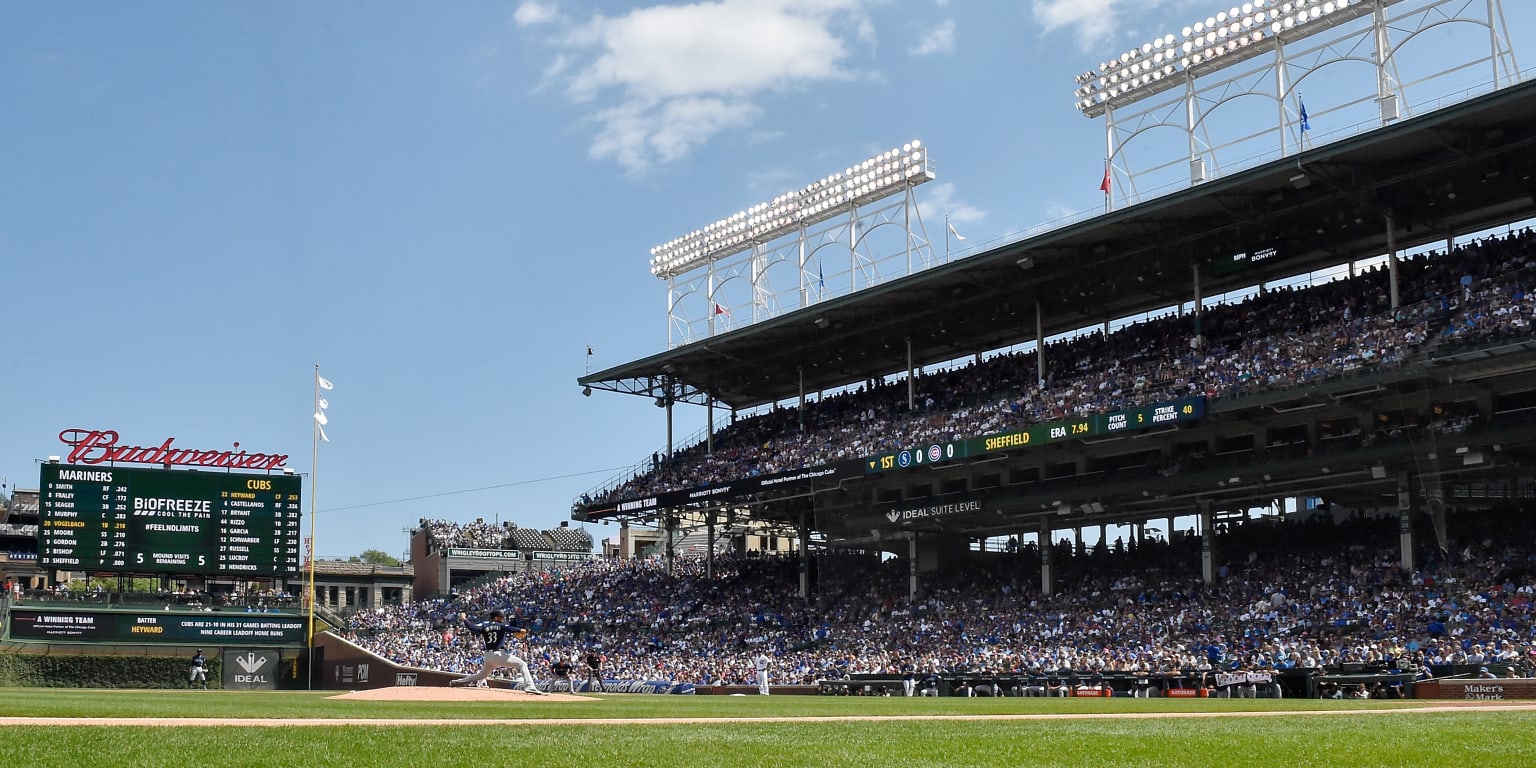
<point x="99" y="446"/>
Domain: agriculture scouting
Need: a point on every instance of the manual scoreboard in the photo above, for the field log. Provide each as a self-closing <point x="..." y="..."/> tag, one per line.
<point x="95" y="518"/>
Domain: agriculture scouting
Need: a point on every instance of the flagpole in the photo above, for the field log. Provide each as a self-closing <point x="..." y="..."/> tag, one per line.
<point x="314" y="466"/>
<point x="946" y="238"/>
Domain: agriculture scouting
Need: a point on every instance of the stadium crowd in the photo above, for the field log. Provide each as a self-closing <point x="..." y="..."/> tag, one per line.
<point x="1279" y="338"/>
<point x="1320" y="594"/>
<point x="478" y="534"/>
<point x="1309" y="595"/>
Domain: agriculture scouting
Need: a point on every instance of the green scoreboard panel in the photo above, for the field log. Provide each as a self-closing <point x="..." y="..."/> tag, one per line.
<point x="133" y="520"/>
<point x="1183" y="409"/>
<point x="94" y="625"/>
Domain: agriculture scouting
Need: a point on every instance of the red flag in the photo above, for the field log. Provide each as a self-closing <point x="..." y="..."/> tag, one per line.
<point x="1104" y="186"/>
<point x="719" y="310"/>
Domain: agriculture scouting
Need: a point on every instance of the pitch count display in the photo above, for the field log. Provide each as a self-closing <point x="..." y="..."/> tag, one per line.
<point x="95" y="518"/>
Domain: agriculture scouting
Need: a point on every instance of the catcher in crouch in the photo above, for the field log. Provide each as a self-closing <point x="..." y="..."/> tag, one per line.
<point x="497" y="654"/>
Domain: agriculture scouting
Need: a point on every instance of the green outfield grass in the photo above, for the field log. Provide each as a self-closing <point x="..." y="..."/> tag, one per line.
<point x="1355" y="740"/>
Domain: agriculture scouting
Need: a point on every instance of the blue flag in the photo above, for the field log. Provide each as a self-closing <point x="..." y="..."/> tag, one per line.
<point x="1305" y="124"/>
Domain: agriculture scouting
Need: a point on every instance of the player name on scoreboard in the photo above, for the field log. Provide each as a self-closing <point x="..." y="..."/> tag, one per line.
<point x="94" y="518"/>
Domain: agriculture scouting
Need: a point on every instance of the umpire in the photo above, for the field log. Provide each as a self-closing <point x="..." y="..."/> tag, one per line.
<point x="594" y="670"/>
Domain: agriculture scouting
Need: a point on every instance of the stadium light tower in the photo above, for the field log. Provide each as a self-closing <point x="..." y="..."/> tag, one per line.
<point x="838" y="212"/>
<point x="1267" y="48"/>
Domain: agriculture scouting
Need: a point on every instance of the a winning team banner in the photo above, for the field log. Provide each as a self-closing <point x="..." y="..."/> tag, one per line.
<point x="160" y="628"/>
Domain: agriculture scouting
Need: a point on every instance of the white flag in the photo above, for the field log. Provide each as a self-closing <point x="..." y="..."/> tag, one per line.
<point x="323" y="381"/>
<point x="323" y="438"/>
<point x="323" y="404"/>
<point x="952" y="231"/>
<point x="320" y="417"/>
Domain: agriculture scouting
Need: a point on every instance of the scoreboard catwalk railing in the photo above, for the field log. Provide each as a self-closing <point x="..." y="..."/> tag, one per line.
<point x="157" y="521"/>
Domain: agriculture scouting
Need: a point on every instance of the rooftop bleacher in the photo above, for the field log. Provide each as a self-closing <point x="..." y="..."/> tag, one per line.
<point x="478" y="534"/>
<point x="529" y="538"/>
<point x="482" y="535"/>
<point x="13" y="529"/>
<point x="570" y="539"/>
<point x="21" y="507"/>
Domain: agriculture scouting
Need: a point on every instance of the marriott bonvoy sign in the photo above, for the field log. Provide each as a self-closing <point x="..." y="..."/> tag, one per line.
<point x="99" y="446"/>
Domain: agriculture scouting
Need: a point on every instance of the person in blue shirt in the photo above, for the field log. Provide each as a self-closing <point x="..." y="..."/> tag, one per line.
<point x="199" y="670"/>
<point x="498" y="654"/>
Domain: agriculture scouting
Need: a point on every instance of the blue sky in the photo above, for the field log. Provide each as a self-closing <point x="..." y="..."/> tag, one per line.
<point x="444" y="205"/>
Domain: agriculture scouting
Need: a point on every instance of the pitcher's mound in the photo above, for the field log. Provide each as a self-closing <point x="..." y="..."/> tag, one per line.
<point x="433" y="693"/>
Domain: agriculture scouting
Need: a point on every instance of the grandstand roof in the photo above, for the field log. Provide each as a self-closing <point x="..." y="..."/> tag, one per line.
<point x="1457" y="170"/>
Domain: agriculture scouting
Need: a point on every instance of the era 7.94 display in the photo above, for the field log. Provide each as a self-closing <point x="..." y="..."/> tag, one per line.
<point x="95" y="518"/>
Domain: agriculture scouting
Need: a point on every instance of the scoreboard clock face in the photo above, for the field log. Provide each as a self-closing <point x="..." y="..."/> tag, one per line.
<point x="94" y="518"/>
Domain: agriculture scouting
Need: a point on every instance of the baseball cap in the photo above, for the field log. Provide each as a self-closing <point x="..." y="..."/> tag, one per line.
<point x="1483" y="669"/>
<point x="496" y="614"/>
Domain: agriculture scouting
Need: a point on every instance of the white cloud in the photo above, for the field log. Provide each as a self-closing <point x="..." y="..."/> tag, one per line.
<point x="866" y="31"/>
<point x="940" y="39"/>
<point x="1092" y="20"/>
<point x="665" y="79"/>
<point x="1056" y="212"/>
<point x="533" y="13"/>
<point x="770" y="183"/>
<point x="941" y="201"/>
<point x="686" y="123"/>
<point x="1095" y="23"/>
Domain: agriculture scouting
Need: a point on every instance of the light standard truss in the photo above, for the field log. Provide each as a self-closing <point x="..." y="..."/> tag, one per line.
<point x="861" y="248"/>
<point x="840" y="235"/>
<point x="1272" y="49"/>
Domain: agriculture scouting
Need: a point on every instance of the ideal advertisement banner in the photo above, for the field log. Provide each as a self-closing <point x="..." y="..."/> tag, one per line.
<point x="251" y="669"/>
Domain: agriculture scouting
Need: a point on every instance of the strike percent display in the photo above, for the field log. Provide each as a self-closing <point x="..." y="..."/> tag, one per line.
<point x="94" y="518"/>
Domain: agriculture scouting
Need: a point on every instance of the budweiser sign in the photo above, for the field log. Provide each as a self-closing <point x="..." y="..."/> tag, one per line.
<point x="99" y="446"/>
